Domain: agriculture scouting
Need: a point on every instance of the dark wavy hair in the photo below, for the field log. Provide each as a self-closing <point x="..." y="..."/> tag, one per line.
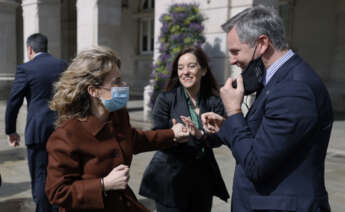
<point x="208" y="84"/>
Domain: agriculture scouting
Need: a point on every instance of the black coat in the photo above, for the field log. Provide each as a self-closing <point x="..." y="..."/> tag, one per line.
<point x="173" y="173"/>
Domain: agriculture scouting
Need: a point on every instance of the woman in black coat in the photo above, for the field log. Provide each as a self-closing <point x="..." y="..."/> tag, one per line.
<point x="186" y="176"/>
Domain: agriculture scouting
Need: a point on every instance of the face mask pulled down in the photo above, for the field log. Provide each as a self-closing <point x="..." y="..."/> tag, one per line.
<point x="252" y="75"/>
<point x="119" y="99"/>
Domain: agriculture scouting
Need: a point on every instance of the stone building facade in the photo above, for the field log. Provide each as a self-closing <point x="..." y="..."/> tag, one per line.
<point x="72" y="25"/>
<point x="315" y="30"/>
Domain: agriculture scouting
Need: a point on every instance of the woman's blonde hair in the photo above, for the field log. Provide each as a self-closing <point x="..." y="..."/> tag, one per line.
<point x="90" y="67"/>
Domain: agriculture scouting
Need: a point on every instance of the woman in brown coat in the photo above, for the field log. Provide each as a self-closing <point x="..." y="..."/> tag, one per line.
<point x="91" y="150"/>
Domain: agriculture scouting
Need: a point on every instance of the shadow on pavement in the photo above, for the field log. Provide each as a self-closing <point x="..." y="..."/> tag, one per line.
<point x="14" y="154"/>
<point x="17" y="205"/>
<point x="9" y="189"/>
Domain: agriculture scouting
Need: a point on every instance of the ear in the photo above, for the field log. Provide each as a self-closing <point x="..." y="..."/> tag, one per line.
<point x="29" y="51"/>
<point x="263" y="44"/>
<point x="92" y="91"/>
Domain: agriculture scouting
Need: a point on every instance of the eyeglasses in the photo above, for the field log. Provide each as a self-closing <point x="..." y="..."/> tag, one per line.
<point x="115" y="84"/>
<point x="119" y="83"/>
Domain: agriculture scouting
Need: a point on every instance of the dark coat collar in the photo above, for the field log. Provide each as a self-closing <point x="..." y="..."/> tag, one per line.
<point x="41" y="55"/>
<point x="283" y="70"/>
<point x="181" y="103"/>
<point x="276" y="78"/>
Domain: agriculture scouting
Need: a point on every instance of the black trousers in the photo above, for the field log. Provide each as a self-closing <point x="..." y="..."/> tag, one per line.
<point x="38" y="161"/>
<point x="196" y="190"/>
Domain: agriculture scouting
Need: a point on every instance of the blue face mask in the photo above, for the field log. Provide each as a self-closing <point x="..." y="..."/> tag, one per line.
<point x="119" y="99"/>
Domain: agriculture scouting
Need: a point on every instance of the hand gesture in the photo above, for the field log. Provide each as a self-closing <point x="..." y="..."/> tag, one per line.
<point x="180" y="131"/>
<point x="193" y="130"/>
<point x="232" y="98"/>
<point x="13" y="139"/>
<point x="212" y="122"/>
<point x="117" y="179"/>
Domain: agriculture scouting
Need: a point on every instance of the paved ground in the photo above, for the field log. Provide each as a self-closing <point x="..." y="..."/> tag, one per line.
<point x="15" y="193"/>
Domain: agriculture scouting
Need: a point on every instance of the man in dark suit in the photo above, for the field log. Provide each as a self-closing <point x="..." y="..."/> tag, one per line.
<point x="34" y="81"/>
<point x="281" y="144"/>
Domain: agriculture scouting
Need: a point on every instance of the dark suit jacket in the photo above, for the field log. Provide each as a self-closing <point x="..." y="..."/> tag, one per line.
<point x="280" y="146"/>
<point x="34" y="81"/>
<point x="82" y="151"/>
<point x="167" y="179"/>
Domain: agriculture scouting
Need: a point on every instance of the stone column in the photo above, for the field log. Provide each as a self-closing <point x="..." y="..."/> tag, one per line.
<point x="98" y="23"/>
<point x="8" y="50"/>
<point x="43" y="16"/>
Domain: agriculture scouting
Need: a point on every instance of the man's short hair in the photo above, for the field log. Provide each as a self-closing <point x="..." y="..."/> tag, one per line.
<point x="38" y="42"/>
<point x="256" y="21"/>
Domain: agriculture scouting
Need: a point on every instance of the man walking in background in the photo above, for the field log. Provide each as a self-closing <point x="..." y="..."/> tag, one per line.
<point x="34" y="81"/>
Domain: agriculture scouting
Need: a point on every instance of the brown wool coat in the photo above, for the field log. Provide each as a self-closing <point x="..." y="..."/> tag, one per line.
<point x="83" y="151"/>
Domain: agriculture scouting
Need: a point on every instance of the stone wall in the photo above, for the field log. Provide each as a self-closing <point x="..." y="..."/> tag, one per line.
<point x="336" y="84"/>
<point x="314" y="34"/>
<point x="68" y="30"/>
<point x="136" y="68"/>
<point x="8" y="50"/>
